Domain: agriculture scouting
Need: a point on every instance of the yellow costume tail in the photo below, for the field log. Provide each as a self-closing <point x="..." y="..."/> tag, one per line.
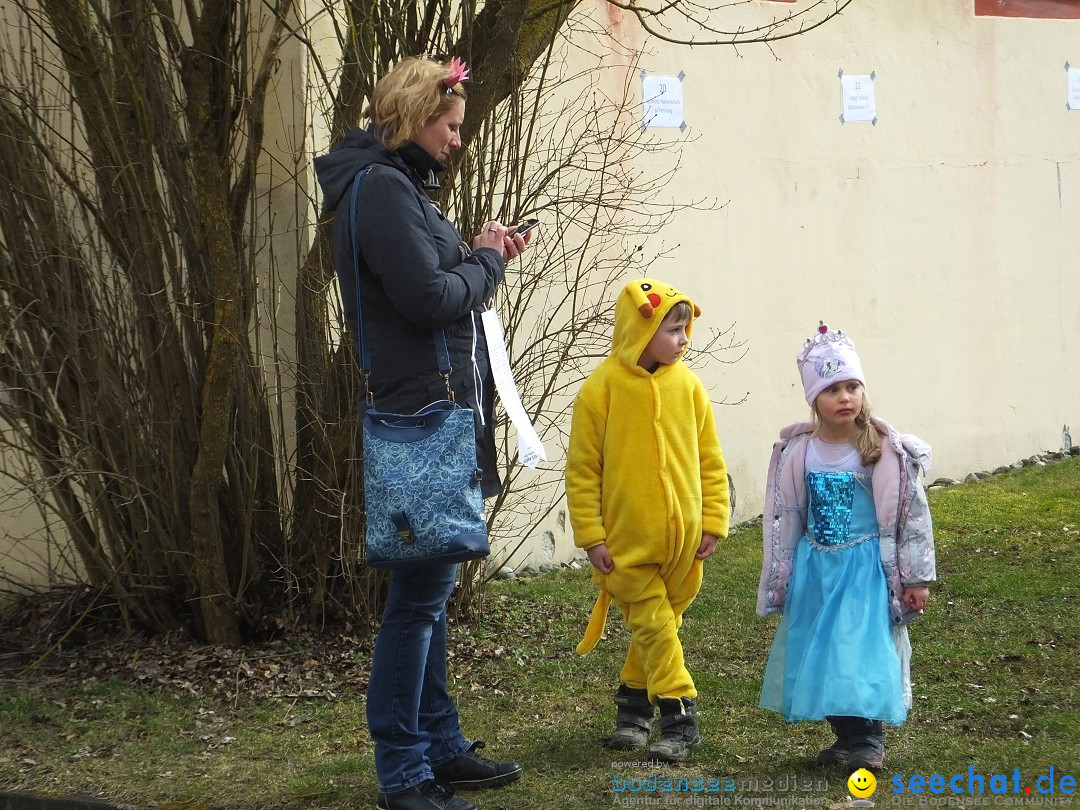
<point x="597" y="622"/>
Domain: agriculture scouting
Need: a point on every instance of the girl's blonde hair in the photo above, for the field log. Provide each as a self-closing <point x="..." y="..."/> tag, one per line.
<point x="408" y="97"/>
<point x="867" y="440"/>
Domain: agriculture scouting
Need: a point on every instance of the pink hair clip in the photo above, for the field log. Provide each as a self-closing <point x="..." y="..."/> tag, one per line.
<point x="459" y="72"/>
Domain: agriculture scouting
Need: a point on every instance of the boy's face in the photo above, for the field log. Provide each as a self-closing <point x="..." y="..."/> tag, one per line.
<point x="667" y="345"/>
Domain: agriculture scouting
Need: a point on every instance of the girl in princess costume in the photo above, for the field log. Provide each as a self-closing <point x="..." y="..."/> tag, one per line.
<point x="849" y="552"/>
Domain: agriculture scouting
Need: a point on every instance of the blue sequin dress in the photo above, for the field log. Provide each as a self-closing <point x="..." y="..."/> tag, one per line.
<point x="834" y="651"/>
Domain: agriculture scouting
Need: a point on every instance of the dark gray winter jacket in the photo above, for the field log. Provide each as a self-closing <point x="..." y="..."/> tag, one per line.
<point x="416" y="273"/>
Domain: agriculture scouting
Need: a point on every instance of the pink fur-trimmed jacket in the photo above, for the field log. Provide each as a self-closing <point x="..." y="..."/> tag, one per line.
<point x="904" y="526"/>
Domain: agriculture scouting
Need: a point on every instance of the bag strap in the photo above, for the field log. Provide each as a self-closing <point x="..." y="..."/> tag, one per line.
<point x="442" y="352"/>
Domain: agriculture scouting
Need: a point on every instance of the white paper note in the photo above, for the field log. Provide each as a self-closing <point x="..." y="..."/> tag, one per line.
<point x="858" y="98"/>
<point x="530" y="448"/>
<point x="663" y="101"/>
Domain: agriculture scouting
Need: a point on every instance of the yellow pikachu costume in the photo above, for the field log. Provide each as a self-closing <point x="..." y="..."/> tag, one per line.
<point x="645" y="475"/>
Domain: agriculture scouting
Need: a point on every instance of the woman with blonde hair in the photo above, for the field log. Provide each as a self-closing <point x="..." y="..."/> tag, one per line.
<point x="415" y="275"/>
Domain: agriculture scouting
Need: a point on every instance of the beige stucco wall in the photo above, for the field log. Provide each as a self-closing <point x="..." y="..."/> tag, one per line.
<point x="944" y="238"/>
<point x="31" y="550"/>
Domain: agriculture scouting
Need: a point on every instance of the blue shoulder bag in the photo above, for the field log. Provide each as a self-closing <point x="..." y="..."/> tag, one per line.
<point x="423" y="504"/>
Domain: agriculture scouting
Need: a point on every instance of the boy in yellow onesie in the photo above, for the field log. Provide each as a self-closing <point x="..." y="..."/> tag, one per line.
<point x="648" y="495"/>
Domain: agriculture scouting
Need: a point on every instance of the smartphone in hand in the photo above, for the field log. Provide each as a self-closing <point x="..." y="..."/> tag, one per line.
<point x="526" y="226"/>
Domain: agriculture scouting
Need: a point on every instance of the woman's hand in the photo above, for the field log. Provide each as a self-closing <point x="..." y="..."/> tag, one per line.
<point x="501" y="238"/>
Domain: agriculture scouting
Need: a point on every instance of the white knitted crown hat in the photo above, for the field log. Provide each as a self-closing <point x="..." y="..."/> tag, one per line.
<point x="828" y="357"/>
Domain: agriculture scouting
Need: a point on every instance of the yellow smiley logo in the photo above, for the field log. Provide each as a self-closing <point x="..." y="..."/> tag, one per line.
<point x="861" y="783"/>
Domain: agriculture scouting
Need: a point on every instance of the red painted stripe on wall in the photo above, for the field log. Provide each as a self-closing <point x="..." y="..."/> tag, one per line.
<point x="1040" y="9"/>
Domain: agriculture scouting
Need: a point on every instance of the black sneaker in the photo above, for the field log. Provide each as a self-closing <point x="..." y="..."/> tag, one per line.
<point x="471" y="772"/>
<point x="429" y="795"/>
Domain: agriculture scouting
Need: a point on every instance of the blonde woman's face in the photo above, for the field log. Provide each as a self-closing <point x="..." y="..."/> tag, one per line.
<point x="441" y="136"/>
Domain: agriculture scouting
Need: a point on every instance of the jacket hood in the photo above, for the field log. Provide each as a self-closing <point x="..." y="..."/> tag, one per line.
<point x="639" y="311"/>
<point x="360" y="148"/>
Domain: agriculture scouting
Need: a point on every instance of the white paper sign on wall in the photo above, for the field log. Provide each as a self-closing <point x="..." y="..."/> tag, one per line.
<point x="857" y="98"/>
<point x="1073" y="76"/>
<point x="662" y="100"/>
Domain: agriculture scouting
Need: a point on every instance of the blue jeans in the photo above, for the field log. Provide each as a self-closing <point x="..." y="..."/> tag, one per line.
<point x="412" y="719"/>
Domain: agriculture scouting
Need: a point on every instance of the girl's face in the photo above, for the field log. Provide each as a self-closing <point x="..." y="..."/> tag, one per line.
<point x="440" y="136"/>
<point x="666" y="345"/>
<point x="838" y="405"/>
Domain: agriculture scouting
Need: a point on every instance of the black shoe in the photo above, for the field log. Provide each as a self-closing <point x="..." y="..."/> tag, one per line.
<point x="678" y="730"/>
<point x="633" y="720"/>
<point x="867" y="745"/>
<point x="835" y="754"/>
<point x="839" y="751"/>
<point x="429" y="795"/>
<point x="471" y="772"/>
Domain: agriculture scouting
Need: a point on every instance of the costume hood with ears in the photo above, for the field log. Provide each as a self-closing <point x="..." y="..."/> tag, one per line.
<point x="639" y="311"/>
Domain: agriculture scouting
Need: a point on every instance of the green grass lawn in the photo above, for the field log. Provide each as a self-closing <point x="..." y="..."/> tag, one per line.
<point x="995" y="668"/>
